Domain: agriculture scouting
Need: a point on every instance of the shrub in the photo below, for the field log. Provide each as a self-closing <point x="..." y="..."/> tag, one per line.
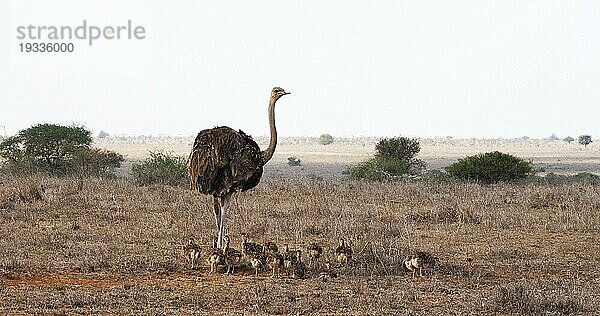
<point x="97" y="162"/>
<point x="395" y="157"/>
<point x="568" y="139"/>
<point x="490" y="167"/>
<point x="435" y="176"/>
<point x="294" y="161"/>
<point x="585" y="140"/>
<point x="162" y="168"/>
<point x="378" y="169"/>
<point x="56" y="150"/>
<point x="325" y="139"/>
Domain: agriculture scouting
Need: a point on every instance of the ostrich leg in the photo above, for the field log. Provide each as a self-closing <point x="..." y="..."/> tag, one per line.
<point x="217" y="210"/>
<point x="225" y="202"/>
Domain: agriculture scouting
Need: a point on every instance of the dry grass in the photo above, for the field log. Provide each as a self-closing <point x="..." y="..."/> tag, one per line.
<point x="110" y="247"/>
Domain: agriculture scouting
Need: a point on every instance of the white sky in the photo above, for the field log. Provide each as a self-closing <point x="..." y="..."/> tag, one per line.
<point x="378" y="68"/>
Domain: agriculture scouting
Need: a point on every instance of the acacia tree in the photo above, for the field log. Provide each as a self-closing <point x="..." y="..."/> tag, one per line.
<point x="585" y="140"/>
<point x="57" y="150"/>
<point x="54" y="144"/>
<point x="395" y="157"/>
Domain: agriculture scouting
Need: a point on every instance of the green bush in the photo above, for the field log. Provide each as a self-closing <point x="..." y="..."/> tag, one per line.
<point x="161" y="168"/>
<point x="325" y="139"/>
<point x="57" y="150"/>
<point x="97" y="162"/>
<point x="395" y="157"/>
<point x="490" y="167"/>
<point x="437" y="176"/>
<point x="398" y="148"/>
<point x="568" y="139"/>
<point x="378" y="169"/>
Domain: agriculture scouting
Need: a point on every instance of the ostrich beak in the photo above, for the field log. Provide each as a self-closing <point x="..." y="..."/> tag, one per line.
<point x="287" y="93"/>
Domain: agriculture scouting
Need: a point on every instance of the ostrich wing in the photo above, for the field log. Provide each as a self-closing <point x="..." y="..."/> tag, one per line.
<point x="223" y="161"/>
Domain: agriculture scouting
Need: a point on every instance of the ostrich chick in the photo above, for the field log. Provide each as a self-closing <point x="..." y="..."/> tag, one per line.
<point x="215" y="257"/>
<point x="288" y="259"/>
<point x="299" y="268"/>
<point x="343" y="252"/>
<point x="274" y="260"/>
<point x="314" y="252"/>
<point x="419" y="261"/>
<point x="249" y="248"/>
<point x="328" y="273"/>
<point x="191" y="251"/>
<point x="231" y="256"/>
<point x="271" y="246"/>
<point x="257" y="261"/>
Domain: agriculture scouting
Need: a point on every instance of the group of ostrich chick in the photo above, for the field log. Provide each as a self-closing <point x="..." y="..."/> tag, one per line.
<point x="224" y="161"/>
<point x="260" y="257"/>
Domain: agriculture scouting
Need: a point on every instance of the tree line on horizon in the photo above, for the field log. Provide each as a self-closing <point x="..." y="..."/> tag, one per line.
<point x="67" y="150"/>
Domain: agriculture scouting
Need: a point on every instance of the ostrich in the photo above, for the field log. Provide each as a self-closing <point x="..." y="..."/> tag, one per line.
<point x="191" y="251"/>
<point x="224" y="161"/>
<point x="419" y="260"/>
<point x="343" y="252"/>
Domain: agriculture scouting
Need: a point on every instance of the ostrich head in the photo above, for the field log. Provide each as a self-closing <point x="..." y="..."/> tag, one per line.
<point x="277" y="93"/>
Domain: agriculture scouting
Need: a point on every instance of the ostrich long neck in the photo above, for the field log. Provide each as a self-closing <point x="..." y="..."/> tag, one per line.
<point x="267" y="154"/>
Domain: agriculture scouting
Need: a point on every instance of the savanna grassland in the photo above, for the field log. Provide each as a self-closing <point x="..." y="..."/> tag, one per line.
<point x="110" y="246"/>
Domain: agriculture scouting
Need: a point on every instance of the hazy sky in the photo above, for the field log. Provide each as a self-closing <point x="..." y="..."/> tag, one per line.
<point x="379" y="68"/>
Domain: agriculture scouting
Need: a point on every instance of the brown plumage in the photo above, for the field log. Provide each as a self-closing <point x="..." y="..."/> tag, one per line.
<point x="231" y="256"/>
<point x="299" y="268"/>
<point x="253" y="253"/>
<point x="327" y="273"/>
<point x="191" y="251"/>
<point x="419" y="260"/>
<point x="250" y="248"/>
<point x="288" y="259"/>
<point x="224" y="161"/>
<point x="271" y="246"/>
<point x="257" y="261"/>
<point x="343" y="252"/>
<point x="292" y="262"/>
<point x="215" y="257"/>
<point x="314" y="252"/>
<point x="273" y="259"/>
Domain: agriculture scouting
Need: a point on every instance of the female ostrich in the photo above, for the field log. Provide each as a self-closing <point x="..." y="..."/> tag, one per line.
<point x="224" y="161"/>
